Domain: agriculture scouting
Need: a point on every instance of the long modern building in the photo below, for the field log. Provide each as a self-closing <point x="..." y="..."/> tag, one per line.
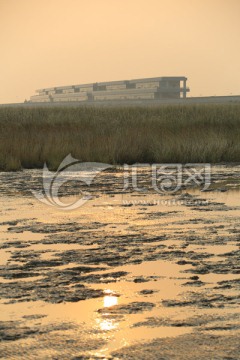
<point x="139" y="89"/>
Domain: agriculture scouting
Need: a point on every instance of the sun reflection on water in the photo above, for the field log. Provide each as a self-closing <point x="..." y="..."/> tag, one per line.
<point x="105" y="323"/>
<point x="110" y="301"/>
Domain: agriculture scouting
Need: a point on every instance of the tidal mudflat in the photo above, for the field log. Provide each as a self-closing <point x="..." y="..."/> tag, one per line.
<point x="131" y="275"/>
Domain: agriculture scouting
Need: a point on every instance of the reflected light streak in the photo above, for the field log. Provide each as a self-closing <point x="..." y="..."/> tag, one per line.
<point x="107" y="324"/>
<point x="110" y="301"/>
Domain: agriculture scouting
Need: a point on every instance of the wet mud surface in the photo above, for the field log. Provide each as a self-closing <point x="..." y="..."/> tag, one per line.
<point x="133" y="275"/>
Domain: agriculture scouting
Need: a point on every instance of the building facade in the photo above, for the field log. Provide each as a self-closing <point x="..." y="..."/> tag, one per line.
<point x="138" y="89"/>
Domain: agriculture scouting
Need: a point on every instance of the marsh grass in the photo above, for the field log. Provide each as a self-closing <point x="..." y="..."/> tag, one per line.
<point x="167" y="134"/>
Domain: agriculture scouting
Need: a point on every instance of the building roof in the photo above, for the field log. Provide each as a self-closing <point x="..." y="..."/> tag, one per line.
<point x="120" y="82"/>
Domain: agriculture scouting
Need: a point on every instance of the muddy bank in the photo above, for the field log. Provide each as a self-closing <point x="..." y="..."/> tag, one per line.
<point x="129" y="275"/>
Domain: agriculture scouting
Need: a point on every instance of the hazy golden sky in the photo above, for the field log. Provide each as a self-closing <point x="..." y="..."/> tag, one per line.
<point x="46" y="43"/>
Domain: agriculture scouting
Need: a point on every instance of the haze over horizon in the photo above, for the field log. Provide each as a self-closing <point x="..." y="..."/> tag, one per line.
<point x="62" y="42"/>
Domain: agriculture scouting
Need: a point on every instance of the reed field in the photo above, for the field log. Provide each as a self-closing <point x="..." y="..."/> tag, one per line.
<point x="29" y="137"/>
